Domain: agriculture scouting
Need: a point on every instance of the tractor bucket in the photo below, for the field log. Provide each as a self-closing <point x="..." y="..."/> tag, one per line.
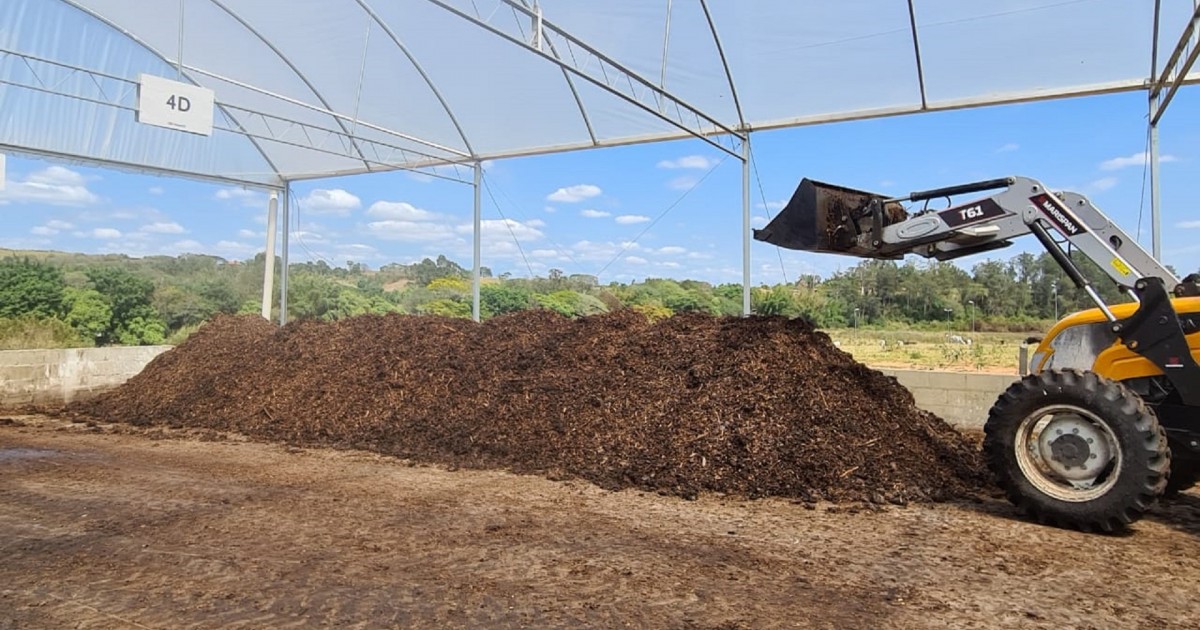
<point x="827" y="218"/>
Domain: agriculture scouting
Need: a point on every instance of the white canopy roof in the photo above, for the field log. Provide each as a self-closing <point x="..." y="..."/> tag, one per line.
<point x="308" y="88"/>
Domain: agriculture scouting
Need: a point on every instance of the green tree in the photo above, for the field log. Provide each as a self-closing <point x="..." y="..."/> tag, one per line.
<point x="30" y="288"/>
<point x="498" y="299"/>
<point x="776" y="300"/>
<point x="134" y="319"/>
<point x="88" y="313"/>
<point x="561" y="302"/>
<point x="446" y="308"/>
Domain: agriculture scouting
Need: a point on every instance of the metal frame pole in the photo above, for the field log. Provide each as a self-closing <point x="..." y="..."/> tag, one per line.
<point x="477" y="238"/>
<point x="746" y="225"/>
<point x="1155" y="217"/>
<point x="283" y="255"/>
<point x="269" y="257"/>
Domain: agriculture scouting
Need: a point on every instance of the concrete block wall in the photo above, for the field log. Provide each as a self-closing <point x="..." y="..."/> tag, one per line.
<point x="961" y="398"/>
<point x="56" y="376"/>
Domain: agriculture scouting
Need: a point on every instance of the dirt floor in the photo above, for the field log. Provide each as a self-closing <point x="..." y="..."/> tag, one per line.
<point x="115" y="526"/>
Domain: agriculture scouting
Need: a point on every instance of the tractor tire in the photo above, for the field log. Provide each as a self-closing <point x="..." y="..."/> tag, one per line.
<point x="1074" y="449"/>
<point x="1185" y="472"/>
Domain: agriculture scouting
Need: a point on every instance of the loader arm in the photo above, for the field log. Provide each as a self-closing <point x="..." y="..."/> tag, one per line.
<point x="825" y="218"/>
<point x="839" y="220"/>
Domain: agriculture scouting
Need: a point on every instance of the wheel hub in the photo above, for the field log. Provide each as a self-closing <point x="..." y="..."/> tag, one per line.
<point x="1070" y="450"/>
<point x="1067" y="452"/>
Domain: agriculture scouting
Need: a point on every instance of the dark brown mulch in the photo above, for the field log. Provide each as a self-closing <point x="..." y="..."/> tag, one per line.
<point x="761" y="406"/>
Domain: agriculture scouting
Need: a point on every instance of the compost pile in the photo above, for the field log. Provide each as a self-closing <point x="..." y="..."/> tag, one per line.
<point x="762" y="406"/>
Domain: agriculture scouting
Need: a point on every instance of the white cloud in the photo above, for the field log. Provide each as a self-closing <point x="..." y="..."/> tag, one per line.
<point x="501" y="229"/>
<point x="51" y="227"/>
<point x="1008" y="148"/>
<point x="155" y="190"/>
<point x="106" y="233"/>
<point x="244" y="196"/>
<point x="400" y="211"/>
<point x="358" y="251"/>
<point x="686" y="182"/>
<point x="243" y="233"/>
<point x="594" y="214"/>
<point x="1104" y="183"/>
<point x="1137" y="159"/>
<point x="334" y="201"/>
<point x="689" y="161"/>
<point x="188" y="246"/>
<point x="758" y="221"/>
<point x="1188" y="225"/>
<point x="163" y="227"/>
<point x="234" y="249"/>
<point x="310" y="237"/>
<point x="574" y="194"/>
<point x="537" y="223"/>
<point x="53" y="185"/>
<point x="773" y="205"/>
<point x="635" y="260"/>
<point x="672" y="250"/>
<point x="410" y="231"/>
<point x="630" y="219"/>
<point x="550" y="209"/>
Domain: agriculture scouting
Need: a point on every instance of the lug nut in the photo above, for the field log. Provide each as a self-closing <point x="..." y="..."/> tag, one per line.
<point x="1093" y="456"/>
<point x="1089" y="440"/>
<point x="1075" y="431"/>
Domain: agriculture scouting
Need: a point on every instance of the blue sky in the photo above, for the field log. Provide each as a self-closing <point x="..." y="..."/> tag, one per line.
<point x="626" y="213"/>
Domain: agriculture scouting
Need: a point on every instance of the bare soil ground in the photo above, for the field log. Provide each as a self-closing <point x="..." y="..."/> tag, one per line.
<point x="113" y="526"/>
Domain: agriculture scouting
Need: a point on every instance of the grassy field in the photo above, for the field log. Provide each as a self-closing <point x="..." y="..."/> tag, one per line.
<point x="986" y="352"/>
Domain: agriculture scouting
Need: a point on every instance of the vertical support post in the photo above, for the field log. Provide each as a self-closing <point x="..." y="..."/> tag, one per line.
<point x="286" y="197"/>
<point x="476" y="244"/>
<point x="1155" y="218"/>
<point x="746" y="225"/>
<point x="269" y="257"/>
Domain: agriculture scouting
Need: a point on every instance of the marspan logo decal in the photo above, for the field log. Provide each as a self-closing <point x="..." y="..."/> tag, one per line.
<point x="1058" y="216"/>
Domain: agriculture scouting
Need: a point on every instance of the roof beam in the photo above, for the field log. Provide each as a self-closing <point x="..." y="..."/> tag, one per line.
<point x="912" y="23"/>
<point x="1175" y="71"/>
<point x="286" y="61"/>
<point x="157" y="53"/>
<point x="334" y="114"/>
<point x="593" y="66"/>
<point x="462" y="134"/>
<point x="375" y="155"/>
<point x="587" y="121"/>
<point x="712" y="26"/>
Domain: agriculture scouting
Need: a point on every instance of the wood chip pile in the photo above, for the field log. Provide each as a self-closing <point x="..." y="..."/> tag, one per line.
<point x="760" y="406"/>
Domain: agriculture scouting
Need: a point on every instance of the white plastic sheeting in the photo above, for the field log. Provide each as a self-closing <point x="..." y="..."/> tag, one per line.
<point x="307" y="88"/>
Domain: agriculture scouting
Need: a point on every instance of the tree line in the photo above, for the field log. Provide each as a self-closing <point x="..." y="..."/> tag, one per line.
<point x="58" y="300"/>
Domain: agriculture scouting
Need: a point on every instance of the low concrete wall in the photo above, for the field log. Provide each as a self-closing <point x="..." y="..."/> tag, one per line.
<point x="55" y="376"/>
<point x="961" y="398"/>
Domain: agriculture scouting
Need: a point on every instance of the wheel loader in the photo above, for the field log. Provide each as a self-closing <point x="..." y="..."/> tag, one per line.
<point x="1108" y="419"/>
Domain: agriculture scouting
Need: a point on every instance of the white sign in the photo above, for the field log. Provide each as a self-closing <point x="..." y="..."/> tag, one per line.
<point x="175" y="105"/>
